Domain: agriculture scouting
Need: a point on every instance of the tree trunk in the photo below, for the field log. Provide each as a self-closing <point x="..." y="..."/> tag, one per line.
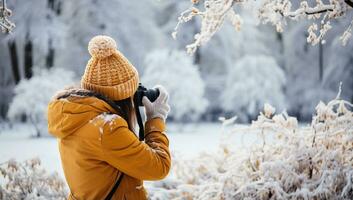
<point x="282" y="62"/>
<point x="321" y="62"/>
<point x="352" y="81"/>
<point x="14" y="61"/>
<point x="55" y="5"/>
<point x="28" y="59"/>
<point x="50" y="56"/>
<point x="197" y="57"/>
<point x="280" y="39"/>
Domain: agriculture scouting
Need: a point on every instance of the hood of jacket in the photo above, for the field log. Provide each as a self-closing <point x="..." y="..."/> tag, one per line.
<point x="68" y="111"/>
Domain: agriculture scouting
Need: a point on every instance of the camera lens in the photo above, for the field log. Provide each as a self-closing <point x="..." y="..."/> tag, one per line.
<point x="152" y="94"/>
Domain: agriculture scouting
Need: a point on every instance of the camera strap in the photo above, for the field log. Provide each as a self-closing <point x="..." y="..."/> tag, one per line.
<point x="139" y="120"/>
<point x="117" y="183"/>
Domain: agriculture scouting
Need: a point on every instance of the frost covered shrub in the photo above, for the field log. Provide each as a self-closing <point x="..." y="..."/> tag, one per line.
<point x="27" y="180"/>
<point x="175" y="71"/>
<point x="33" y="95"/>
<point x="287" y="162"/>
<point x="252" y="82"/>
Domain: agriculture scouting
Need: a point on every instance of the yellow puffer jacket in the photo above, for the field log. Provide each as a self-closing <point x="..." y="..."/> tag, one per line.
<point x="96" y="146"/>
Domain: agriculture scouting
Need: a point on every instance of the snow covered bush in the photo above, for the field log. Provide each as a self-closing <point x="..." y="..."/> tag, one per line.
<point x="32" y="96"/>
<point x="252" y="82"/>
<point x="175" y="71"/>
<point x="28" y="180"/>
<point x="285" y="162"/>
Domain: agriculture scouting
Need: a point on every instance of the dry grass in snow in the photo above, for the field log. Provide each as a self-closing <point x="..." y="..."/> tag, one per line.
<point x="313" y="162"/>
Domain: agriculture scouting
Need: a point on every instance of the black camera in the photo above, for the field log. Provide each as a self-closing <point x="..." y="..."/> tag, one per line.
<point x="151" y="94"/>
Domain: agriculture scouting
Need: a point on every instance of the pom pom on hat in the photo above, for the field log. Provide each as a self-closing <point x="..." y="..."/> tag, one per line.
<point x="101" y="46"/>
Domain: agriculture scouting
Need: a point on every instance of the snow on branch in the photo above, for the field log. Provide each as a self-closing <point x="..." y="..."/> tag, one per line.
<point x="349" y="2"/>
<point x="5" y="24"/>
<point x="275" y="12"/>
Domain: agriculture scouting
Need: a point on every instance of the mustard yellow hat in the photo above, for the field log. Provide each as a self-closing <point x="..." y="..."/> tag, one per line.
<point x="108" y="71"/>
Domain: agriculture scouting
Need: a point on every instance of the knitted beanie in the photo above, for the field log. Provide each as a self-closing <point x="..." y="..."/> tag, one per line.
<point x="108" y="72"/>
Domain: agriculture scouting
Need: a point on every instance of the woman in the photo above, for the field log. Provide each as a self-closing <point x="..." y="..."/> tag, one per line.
<point x="101" y="156"/>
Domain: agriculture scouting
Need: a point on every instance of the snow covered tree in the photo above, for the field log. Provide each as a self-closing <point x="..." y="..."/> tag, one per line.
<point x="314" y="72"/>
<point x="226" y="48"/>
<point x="275" y="12"/>
<point x="175" y="70"/>
<point x="303" y="64"/>
<point x="339" y="68"/>
<point x="63" y="29"/>
<point x="135" y="35"/>
<point x="39" y="28"/>
<point x="252" y="82"/>
<point x="32" y="96"/>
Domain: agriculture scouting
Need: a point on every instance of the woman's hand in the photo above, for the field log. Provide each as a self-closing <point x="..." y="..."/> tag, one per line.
<point x="158" y="108"/>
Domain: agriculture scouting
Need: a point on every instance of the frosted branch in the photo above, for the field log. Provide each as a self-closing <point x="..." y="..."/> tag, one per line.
<point x="349" y="2"/>
<point x="275" y="12"/>
<point x="5" y="24"/>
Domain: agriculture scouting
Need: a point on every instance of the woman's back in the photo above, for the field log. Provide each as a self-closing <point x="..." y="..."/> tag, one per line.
<point x="96" y="147"/>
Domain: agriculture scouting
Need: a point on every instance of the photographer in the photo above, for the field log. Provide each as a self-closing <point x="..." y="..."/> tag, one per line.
<point x="101" y="156"/>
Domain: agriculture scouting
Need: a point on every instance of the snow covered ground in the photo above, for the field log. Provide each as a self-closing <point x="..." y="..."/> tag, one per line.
<point x="186" y="140"/>
<point x="285" y="157"/>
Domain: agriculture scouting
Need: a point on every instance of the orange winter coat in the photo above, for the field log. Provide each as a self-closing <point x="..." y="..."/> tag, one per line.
<point x="96" y="147"/>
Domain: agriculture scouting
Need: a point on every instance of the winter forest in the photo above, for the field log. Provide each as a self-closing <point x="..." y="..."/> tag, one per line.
<point x="260" y="91"/>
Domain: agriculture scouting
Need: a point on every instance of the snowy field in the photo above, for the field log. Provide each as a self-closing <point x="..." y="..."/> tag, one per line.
<point x="18" y="142"/>
<point x="185" y="140"/>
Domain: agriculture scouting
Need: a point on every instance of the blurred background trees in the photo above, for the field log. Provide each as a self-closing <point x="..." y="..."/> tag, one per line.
<point x="55" y="33"/>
